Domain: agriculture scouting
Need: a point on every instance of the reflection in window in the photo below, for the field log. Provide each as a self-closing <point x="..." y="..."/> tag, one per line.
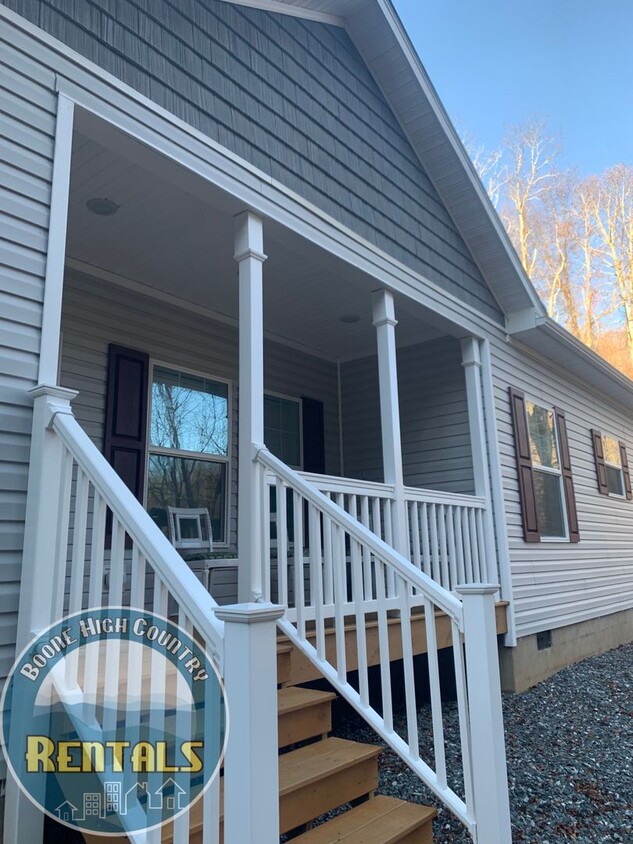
<point x="546" y="471"/>
<point x="613" y="465"/>
<point x="189" y="446"/>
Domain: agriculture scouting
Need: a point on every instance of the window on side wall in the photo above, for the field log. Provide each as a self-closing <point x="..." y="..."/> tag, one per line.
<point x="546" y="489"/>
<point x="188" y="452"/>
<point x="612" y="465"/>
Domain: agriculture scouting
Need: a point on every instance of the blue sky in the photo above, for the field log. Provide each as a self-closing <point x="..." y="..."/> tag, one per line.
<point x="495" y="63"/>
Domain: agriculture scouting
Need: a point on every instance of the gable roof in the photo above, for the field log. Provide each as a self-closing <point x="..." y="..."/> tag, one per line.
<point x="380" y="37"/>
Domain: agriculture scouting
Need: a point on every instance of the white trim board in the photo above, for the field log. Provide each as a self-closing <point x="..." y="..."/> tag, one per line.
<point x="286" y="8"/>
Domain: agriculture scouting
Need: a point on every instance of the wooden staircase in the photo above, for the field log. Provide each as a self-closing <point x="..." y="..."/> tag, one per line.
<point x="319" y="774"/>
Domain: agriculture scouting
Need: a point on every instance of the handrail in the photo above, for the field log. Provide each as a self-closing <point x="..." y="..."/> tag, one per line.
<point x="167" y="562"/>
<point x="420" y="581"/>
<point x="436" y="496"/>
<point x="351" y="486"/>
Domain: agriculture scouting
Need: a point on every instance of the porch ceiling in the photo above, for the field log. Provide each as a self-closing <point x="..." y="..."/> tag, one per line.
<point x="173" y="233"/>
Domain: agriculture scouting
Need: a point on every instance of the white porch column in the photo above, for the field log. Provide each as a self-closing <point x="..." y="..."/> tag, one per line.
<point x="249" y="253"/>
<point x="251" y="778"/>
<point x="385" y="323"/>
<point x="471" y="361"/>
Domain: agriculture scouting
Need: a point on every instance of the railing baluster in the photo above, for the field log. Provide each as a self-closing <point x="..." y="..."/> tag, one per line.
<point x="367" y="573"/>
<point x="416" y="555"/>
<point x="61" y="554"/>
<point x="328" y="571"/>
<point x="383" y="643"/>
<point x="461" y="687"/>
<point x="265" y="493"/>
<point x="112" y="674"/>
<point x="468" y="551"/>
<point x="459" y="545"/>
<point x="78" y="556"/>
<point x="407" y="665"/>
<point x="436" y="696"/>
<point x="436" y="566"/>
<point x="388" y="523"/>
<point x="426" y="541"/>
<point x="282" y="541"/>
<point x="316" y="578"/>
<point x="441" y="518"/>
<point x="481" y="548"/>
<point x="452" y="554"/>
<point x="340" y="595"/>
<point x="299" y="585"/>
<point x="474" y="546"/>
<point x="361" y="636"/>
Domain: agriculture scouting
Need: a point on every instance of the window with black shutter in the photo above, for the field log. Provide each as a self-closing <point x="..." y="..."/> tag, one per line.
<point x="612" y="465"/>
<point x="546" y="489"/>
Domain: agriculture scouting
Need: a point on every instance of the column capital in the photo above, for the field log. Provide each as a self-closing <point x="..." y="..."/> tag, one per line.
<point x="250" y="253"/>
<point x="470" y="352"/>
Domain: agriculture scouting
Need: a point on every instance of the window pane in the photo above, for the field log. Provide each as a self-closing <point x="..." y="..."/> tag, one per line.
<point x="183" y="482"/>
<point x="282" y="435"/>
<point x="542" y="435"/>
<point x="614" y="480"/>
<point x="611" y="449"/>
<point x="189" y="413"/>
<point x="549" y="504"/>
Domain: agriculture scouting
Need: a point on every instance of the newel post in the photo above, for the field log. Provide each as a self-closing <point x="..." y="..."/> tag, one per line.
<point x="251" y="780"/>
<point x="249" y="254"/>
<point x="41" y="586"/>
<point x="489" y="771"/>
<point x="385" y="324"/>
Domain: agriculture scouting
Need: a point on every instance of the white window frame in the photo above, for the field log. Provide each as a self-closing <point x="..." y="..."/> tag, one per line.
<point x="194" y="455"/>
<point x="298" y="401"/>
<point x="537" y="467"/>
<point x="617" y="466"/>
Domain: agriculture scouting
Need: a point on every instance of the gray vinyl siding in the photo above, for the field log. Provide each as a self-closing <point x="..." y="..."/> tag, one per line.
<point x="96" y="313"/>
<point x="433" y="417"/>
<point x="559" y="583"/>
<point x="27" y="126"/>
<point x="292" y="97"/>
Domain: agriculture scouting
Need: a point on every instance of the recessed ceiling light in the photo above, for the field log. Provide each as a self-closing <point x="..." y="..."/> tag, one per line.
<point x="102" y="206"/>
<point x="350" y="318"/>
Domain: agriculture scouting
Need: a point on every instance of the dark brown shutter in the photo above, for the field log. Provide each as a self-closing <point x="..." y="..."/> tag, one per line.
<point x="126" y="415"/>
<point x="524" y="467"/>
<point x="625" y="471"/>
<point x="313" y="436"/>
<point x="568" y="481"/>
<point x="601" y="470"/>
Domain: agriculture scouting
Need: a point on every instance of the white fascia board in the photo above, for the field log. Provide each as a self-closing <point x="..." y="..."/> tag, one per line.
<point x="98" y="92"/>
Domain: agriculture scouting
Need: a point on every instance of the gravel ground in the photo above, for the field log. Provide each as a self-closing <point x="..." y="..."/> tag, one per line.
<point x="570" y="757"/>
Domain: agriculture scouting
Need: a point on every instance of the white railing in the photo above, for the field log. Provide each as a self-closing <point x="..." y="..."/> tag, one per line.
<point x="447" y="540"/>
<point x="94" y="546"/>
<point x="335" y="573"/>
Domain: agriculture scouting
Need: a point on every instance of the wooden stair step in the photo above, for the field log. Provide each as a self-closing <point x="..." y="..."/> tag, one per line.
<point x="303" y="714"/>
<point x="382" y="820"/>
<point x="322" y="776"/>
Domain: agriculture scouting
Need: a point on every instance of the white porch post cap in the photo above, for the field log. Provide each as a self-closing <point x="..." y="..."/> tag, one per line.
<point x="468" y="589"/>
<point x="251" y="613"/>
<point x="53" y="392"/>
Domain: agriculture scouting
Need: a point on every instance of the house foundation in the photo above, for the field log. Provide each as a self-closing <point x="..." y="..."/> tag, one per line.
<point x="526" y="665"/>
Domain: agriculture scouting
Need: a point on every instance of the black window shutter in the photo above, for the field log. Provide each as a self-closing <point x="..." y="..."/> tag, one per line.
<point x="313" y="436"/>
<point x="568" y="481"/>
<point x="126" y="415"/>
<point x="601" y="470"/>
<point x="524" y="467"/>
<point x="625" y="471"/>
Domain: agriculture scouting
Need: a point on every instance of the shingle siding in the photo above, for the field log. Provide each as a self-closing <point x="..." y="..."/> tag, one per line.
<point x="292" y="97"/>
